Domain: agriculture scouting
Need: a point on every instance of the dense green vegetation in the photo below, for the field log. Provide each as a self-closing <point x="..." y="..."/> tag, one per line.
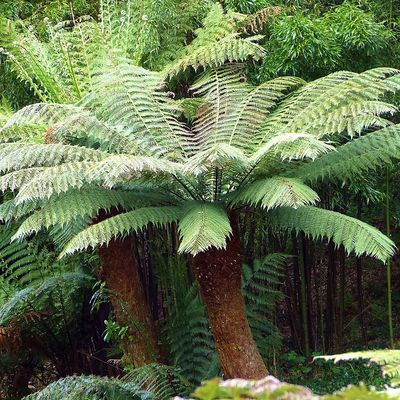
<point x="199" y="189"/>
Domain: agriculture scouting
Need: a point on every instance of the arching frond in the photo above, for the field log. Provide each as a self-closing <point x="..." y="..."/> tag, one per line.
<point x="292" y="146"/>
<point x="10" y="210"/>
<point x="356" y="236"/>
<point x="14" y="180"/>
<point x="45" y="182"/>
<point x="121" y="225"/>
<point x="203" y="225"/>
<point x="82" y="203"/>
<point x="275" y="192"/>
<point x="45" y="155"/>
<point x="319" y="106"/>
<point x="368" y="152"/>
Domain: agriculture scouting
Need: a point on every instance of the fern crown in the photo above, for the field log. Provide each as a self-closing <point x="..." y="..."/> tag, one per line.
<point x="123" y="144"/>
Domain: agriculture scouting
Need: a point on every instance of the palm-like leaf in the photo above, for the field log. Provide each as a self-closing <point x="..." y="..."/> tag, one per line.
<point x="356" y="236"/>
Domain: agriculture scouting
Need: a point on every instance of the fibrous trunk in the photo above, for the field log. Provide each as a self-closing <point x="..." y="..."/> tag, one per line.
<point x="218" y="273"/>
<point x="120" y="273"/>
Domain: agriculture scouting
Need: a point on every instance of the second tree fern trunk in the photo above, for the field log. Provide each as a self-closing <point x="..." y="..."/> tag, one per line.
<point x="219" y="273"/>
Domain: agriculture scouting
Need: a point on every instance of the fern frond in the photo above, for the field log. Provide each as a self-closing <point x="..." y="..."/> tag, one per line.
<point x="161" y="381"/>
<point x="275" y="192"/>
<point x="216" y="156"/>
<point x="260" y="286"/>
<point x="121" y="225"/>
<point x="45" y="155"/>
<point x="221" y="88"/>
<point x="131" y="97"/>
<point x="203" y="225"/>
<point x="79" y="204"/>
<point x="45" y="182"/>
<point x="388" y="360"/>
<point x="90" y="388"/>
<point x="10" y="210"/>
<point x="332" y="96"/>
<point x="38" y="297"/>
<point x="231" y="48"/>
<point x="354" y="158"/>
<point x="356" y="236"/>
<point x="14" y="180"/>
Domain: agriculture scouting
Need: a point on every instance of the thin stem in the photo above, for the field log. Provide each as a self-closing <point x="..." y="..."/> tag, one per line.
<point x="388" y="264"/>
<point x="185" y="187"/>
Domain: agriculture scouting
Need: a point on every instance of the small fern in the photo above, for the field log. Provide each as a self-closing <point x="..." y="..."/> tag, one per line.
<point x="90" y="388"/>
<point x="261" y="290"/>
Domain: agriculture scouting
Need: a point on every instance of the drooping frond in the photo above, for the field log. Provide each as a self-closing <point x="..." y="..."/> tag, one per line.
<point x="355" y="157"/>
<point x="388" y="360"/>
<point x="121" y="225"/>
<point x="275" y="192"/>
<point x="356" y="236"/>
<point x="203" y="225"/>
<point x="82" y="203"/>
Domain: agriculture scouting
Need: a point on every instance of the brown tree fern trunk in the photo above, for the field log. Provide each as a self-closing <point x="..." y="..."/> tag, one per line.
<point x="219" y="273"/>
<point x="120" y="273"/>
